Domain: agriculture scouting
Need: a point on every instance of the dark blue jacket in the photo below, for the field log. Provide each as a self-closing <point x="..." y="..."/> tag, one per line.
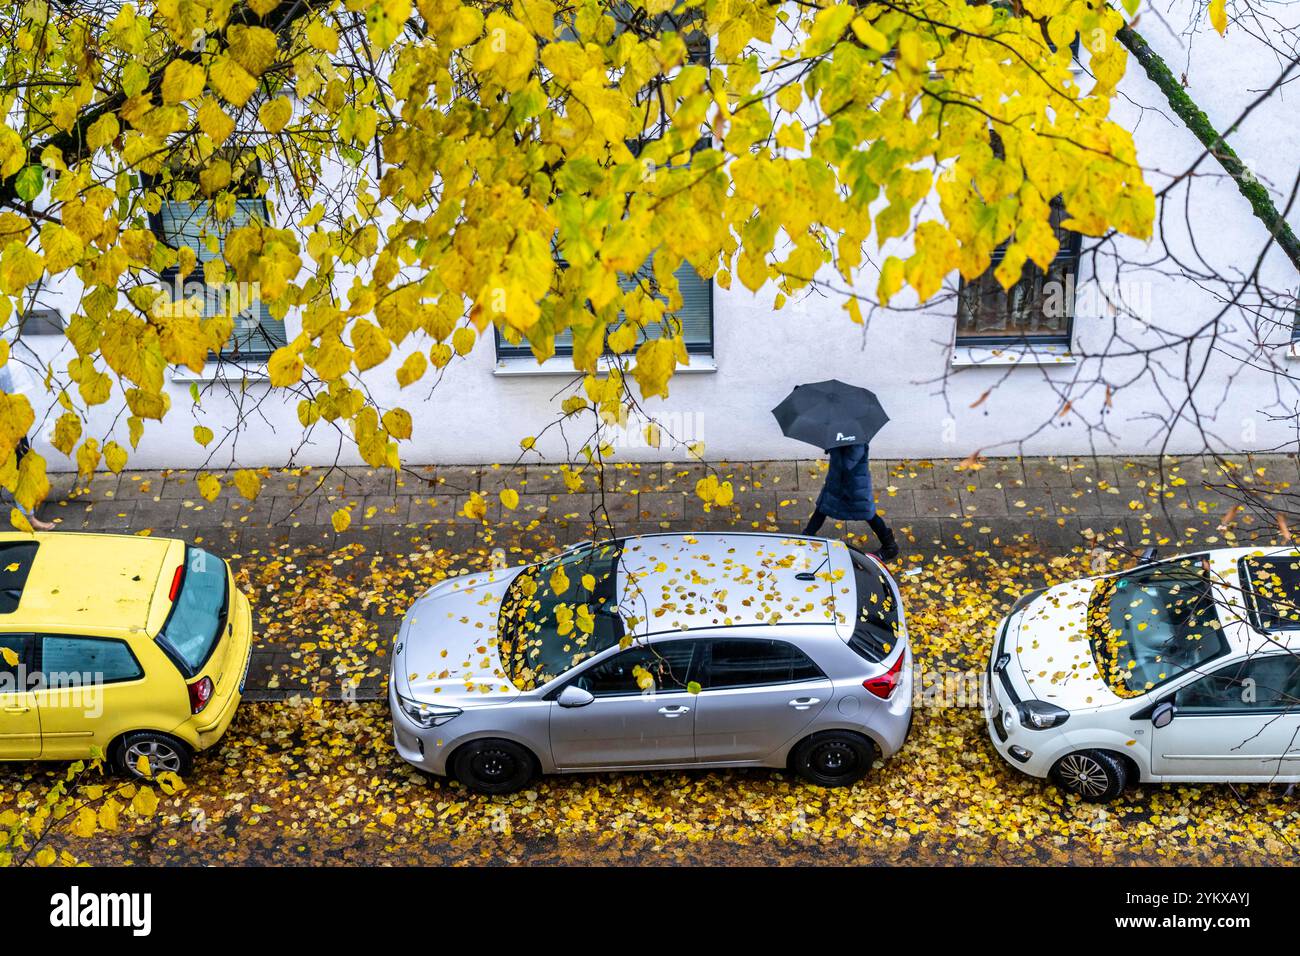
<point x="847" y="494"/>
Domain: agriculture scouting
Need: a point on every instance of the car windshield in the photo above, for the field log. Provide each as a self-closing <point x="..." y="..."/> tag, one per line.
<point x="875" y="630"/>
<point x="560" y="613"/>
<point x="1150" y="625"/>
<point x="199" y="612"/>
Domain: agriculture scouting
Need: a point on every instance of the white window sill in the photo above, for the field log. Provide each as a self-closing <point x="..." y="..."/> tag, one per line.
<point x="524" y="365"/>
<point x="246" y="371"/>
<point x="968" y="356"/>
<point x="1292" y="353"/>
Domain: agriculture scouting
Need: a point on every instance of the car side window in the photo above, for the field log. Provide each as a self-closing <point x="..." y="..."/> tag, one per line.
<point x="747" y="663"/>
<point x="79" y="660"/>
<point x="17" y="647"/>
<point x="639" y="670"/>
<point x="1255" y="685"/>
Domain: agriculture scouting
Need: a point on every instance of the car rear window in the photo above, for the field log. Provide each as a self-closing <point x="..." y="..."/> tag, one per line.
<point x="16" y="559"/>
<point x="199" y="612"/>
<point x="875" y="630"/>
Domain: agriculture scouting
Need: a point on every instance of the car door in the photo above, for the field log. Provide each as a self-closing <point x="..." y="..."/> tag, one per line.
<point x="642" y="714"/>
<point x="1241" y="722"/>
<point x="758" y="694"/>
<point x="20" y="724"/>
<point x="89" y="685"/>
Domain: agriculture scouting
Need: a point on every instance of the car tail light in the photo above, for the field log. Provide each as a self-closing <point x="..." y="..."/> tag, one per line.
<point x="200" y="694"/>
<point x="176" y="583"/>
<point x="883" y="686"/>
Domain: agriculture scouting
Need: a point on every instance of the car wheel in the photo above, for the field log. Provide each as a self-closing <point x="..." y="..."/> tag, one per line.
<point x="493" y="766"/>
<point x="835" y="758"/>
<point x="1094" y="775"/>
<point x="163" y="753"/>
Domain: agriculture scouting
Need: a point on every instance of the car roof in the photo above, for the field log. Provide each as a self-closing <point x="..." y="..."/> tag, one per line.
<point x="676" y="582"/>
<point x="101" y="582"/>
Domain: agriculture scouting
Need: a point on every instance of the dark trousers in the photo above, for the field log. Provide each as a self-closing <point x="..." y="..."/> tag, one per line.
<point x="877" y="525"/>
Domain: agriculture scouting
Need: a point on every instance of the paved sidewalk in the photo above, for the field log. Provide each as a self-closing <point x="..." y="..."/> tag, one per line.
<point x="1056" y="504"/>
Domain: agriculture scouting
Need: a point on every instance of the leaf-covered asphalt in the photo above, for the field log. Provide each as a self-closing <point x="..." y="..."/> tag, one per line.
<point x="315" y="781"/>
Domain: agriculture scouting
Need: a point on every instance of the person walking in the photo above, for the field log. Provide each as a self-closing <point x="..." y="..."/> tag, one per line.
<point x="848" y="496"/>
<point x="14" y="380"/>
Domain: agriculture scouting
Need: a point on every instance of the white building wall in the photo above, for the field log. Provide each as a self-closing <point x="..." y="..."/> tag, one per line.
<point x="476" y="414"/>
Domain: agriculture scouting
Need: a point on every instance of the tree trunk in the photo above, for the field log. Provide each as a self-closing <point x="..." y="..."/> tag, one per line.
<point x="1260" y="201"/>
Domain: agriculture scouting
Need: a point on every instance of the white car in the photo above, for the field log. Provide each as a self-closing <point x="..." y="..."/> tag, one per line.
<point x="1183" y="670"/>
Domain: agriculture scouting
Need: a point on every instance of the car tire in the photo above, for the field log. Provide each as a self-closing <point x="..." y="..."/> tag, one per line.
<point x="1096" y="776"/>
<point x="494" y="766"/>
<point x="833" y="758"/>
<point x="164" y="752"/>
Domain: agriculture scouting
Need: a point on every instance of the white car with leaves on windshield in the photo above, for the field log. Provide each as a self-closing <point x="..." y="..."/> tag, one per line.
<point x="1183" y="670"/>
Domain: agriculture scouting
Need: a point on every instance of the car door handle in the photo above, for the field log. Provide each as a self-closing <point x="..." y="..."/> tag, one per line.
<point x="17" y="710"/>
<point x="803" y="703"/>
<point x="674" y="711"/>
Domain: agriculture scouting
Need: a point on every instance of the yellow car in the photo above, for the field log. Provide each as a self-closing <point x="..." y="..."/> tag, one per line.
<point x="137" y="646"/>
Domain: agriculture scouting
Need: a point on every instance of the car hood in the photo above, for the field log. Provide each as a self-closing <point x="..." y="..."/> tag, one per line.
<point x="1048" y="644"/>
<point x="447" y="645"/>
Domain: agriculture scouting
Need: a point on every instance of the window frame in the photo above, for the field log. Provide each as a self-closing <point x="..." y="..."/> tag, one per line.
<point x="233" y="352"/>
<point x="706" y="670"/>
<point x="1243" y="711"/>
<point x="26" y="650"/>
<point x="692" y="668"/>
<point x="39" y="637"/>
<point x="506" y="350"/>
<point x="1071" y="252"/>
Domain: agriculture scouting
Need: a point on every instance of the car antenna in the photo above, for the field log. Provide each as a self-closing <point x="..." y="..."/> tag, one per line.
<point x="812" y="575"/>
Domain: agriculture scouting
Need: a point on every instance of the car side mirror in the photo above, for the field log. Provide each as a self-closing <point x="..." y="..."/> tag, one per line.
<point x="1148" y="555"/>
<point x="574" y="696"/>
<point x="1162" y="715"/>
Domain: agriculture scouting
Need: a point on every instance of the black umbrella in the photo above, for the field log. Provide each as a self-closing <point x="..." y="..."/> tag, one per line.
<point x="830" y="414"/>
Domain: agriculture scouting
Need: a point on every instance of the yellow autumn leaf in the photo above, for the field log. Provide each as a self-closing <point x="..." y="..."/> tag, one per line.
<point x="1219" y="15"/>
<point x="209" y="486"/>
<point x="475" y="507"/>
<point x="341" y="519"/>
<point x="275" y="114"/>
<point x="182" y="81"/>
<point x="510" y="498"/>
<point x="248" y="482"/>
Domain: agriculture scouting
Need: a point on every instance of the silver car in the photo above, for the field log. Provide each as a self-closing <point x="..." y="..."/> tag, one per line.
<point x="668" y="650"/>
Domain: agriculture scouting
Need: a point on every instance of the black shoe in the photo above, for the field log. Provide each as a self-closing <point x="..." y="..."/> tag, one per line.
<point x="888" y="548"/>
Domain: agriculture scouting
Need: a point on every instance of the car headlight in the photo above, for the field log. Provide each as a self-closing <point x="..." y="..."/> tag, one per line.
<point x="1040" y="715"/>
<point x="426" y="715"/>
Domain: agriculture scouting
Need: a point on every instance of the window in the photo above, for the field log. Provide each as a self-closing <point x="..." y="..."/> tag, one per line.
<point x="74" y="660"/>
<point x="1037" y="310"/>
<point x="1149" y="625"/>
<point x="695" y="315"/>
<point x="1272" y="586"/>
<point x="191" y="223"/>
<point x="198" y="615"/>
<point x="1257" y="685"/>
<point x="20" y="646"/>
<point x="667" y="665"/>
<point x="746" y="663"/>
<point x="540" y="635"/>
<point x="16" y="559"/>
<point x="875" y="631"/>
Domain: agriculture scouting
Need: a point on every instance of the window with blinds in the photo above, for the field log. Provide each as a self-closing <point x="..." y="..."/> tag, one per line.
<point x="256" y="332"/>
<point x="695" y="316"/>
